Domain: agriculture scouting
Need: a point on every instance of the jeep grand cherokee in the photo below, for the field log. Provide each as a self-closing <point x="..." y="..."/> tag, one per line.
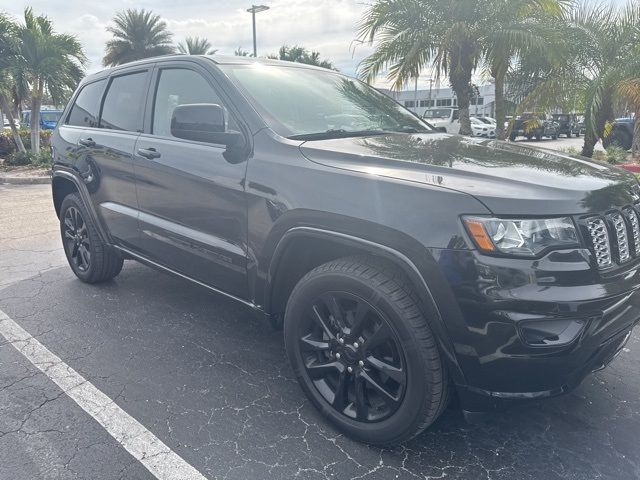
<point x="404" y="264"/>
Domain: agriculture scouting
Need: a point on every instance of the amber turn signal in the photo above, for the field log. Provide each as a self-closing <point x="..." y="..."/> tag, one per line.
<point x="480" y="235"/>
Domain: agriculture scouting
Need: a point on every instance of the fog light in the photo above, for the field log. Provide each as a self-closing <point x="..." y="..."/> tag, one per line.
<point x="551" y="332"/>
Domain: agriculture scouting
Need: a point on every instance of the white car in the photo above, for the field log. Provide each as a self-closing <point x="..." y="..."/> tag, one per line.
<point x="7" y="125"/>
<point x="482" y="129"/>
<point x="449" y="118"/>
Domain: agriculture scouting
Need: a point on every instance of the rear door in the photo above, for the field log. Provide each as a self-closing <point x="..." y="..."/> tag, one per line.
<point x="193" y="212"/>
<point x="110" y="152"/>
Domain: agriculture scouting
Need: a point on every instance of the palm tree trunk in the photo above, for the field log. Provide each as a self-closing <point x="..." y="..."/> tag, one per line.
<point x="595" y="126"/>
<point x="499" y="104"/>
<point x="635" y="145"/>
<point x="36" y="103"/>
<point x="460" y="72"/>
<point x="5" y="107"/>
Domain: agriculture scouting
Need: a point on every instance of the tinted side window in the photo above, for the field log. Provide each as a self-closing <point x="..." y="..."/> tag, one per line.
<point x="84" y="112"/>
<point x="124" y="103"/>
<point x="177" y="86"/>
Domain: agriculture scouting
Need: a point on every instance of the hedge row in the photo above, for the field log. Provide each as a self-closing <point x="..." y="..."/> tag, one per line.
<point x="8" y="146"/>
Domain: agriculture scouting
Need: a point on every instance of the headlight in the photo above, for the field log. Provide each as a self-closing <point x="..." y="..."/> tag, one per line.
<point x="527" y="237"/>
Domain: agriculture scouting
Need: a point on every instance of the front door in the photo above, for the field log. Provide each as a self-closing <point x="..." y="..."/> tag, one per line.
<point x="193" y="212"/>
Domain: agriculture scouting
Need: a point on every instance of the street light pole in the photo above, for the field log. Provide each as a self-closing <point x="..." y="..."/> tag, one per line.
<point x="253" y="10"/>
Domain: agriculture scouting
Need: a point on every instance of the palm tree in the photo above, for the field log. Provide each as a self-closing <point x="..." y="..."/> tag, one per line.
<point x="137" y="34"/>
<point x="629" y="89"/>
<point x="48" y="63"/>
<point x="600" y="44"/>
<point x="410" y="35"/>
<point x="8" y="52"/>
<point x="521" y="28"/>
<point x="196" y="46"/>
<point x="239" y="52"/>
<point x="302" y="55"/>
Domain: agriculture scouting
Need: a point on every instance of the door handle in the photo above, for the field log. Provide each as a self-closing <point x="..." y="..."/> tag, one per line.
<point x="87" y="142"/>
<point x="149" y="153"/>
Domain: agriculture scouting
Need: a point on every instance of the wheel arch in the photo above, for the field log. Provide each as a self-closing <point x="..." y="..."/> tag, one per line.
<point x="63" y="183"/>
<point x="289" y="264"/>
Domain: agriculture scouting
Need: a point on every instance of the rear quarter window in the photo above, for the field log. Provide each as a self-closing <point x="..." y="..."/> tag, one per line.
<point x="85" y="109"/>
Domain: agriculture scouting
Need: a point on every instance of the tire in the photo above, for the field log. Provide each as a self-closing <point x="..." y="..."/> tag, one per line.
<point x="79" y="238"/>
<point x="352" y="285"/>
<point x="554" y="137"/>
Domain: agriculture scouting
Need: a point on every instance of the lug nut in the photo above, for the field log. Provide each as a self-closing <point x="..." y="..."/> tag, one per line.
<point x="349" y="369"/>
<point x="338" y="356"/>
<point x="361" y="363"/>
<point x="355" y="345"/>
<point x="341" y="340"/>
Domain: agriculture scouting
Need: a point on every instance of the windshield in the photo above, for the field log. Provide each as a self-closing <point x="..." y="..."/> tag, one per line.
<point x="50" y="116"/>
<point x="437" y="113"/>
<point x="306" y="103"/>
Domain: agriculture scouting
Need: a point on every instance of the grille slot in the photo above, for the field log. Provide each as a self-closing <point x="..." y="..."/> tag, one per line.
<point x="600" y="240"/>
<point x="620" y="232"/>
<point x="632" y="218"/>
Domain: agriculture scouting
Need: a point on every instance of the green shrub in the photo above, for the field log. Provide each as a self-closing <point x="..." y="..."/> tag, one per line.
<point x="44" y="159"/>
<point x="616" y="155"/>
<point x="8" y="146"/>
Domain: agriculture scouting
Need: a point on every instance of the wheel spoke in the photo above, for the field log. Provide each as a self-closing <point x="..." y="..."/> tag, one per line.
<point x="362" y="410"/>
<point x="68" y="235"/>
<point x="318" y="318"/>
<point x="84" y="253"/>
<point x="341" y="395"/>
<point x="396" y="374"/>
<point x="74" y="252"/>
<point x="336" y="312"/>
<point x="310" y="344"/>
<point x="319" y="371"/>
<point x="381" y="335"/>
<point x="68" y="222"/>
<point x="359" y="319"/>
<point x="386" y="396"/>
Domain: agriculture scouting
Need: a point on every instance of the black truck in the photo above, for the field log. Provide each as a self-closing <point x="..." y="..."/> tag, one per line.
<point x="405" y="265"/>
<point x="533" y="125"/>
<point x="567" y="124"/>
<point x="621" y="134"/>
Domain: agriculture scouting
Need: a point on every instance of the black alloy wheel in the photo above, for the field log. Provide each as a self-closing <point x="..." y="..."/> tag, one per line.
<point x="363" y="350"/>
<point x="353" y="357"/>
<point x="90" y="258"/>
<point x="76" y="238"/>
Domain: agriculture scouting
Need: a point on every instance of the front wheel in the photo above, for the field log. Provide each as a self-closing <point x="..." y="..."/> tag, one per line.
<point x="89" y="257"/>
<point x="363" y="351"/>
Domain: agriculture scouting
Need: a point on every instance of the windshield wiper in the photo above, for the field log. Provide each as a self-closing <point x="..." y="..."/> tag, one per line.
<point x="336" y="133"/>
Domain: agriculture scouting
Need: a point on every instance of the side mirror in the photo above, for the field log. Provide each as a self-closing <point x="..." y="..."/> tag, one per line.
<point x="201" y="122"/>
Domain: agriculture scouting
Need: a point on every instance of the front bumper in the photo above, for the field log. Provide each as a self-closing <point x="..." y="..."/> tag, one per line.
<point x="531" y="329"/>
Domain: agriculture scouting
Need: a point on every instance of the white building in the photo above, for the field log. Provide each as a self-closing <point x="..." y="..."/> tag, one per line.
<point x="482" y="104"/>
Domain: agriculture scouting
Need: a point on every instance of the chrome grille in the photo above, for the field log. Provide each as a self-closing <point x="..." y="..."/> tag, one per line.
<point x="632" y="217"/>
<point x="600" y="240"/>
<point x="620" y="232"/>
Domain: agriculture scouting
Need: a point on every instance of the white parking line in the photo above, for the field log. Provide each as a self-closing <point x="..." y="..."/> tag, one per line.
<point x="143" y="445"/>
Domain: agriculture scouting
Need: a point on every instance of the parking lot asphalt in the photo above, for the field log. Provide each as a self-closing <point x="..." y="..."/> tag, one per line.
<point x="212" y="382"/>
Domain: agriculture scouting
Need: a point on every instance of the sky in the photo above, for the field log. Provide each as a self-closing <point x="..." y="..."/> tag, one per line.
<point x="328" y="26"/>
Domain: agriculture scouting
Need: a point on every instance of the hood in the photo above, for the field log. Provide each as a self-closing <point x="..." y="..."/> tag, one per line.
<point x="508" y="178"/>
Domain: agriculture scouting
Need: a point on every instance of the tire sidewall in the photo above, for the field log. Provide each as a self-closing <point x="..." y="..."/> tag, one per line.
<point x="417" y="391"/>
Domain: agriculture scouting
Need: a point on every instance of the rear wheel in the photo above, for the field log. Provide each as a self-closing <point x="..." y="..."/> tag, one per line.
<point x="363" y="352"/>
<point x="91" y="260"/>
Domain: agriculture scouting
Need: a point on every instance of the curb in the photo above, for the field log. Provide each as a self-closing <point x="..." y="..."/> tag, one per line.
<point x="25" y="180"/>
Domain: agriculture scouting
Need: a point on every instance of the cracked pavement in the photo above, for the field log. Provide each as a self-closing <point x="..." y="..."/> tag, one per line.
<point x="213" y="383"/>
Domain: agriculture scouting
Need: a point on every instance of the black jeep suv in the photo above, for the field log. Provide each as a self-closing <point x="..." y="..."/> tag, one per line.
<point x="405" y="264"/>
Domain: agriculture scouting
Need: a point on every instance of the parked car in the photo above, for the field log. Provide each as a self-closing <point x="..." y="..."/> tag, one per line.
<point x="482" y="129"/>
<point x="447" y="118"/>
<point x="404" y="264"/>
<point x="48" y="118"/>
<point x="621" y="134"/>
<point x="487" y="120"/>
<point x="568" y="124"/>
<point x="533" y="125"/>
<point x="7" y="125"/>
